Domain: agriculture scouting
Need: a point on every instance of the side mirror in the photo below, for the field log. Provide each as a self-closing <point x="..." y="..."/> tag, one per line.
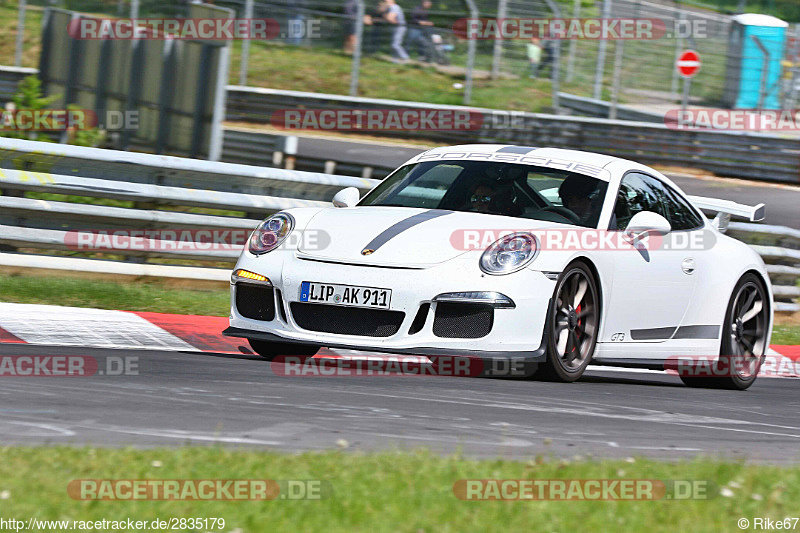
<point x="646" y="223"/>
<point x="346" y="197"/>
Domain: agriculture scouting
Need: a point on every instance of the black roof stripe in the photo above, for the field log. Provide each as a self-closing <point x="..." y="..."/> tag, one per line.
<point x="517" y="149"/>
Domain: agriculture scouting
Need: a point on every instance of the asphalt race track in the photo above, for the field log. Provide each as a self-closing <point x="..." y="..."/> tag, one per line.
<point x="203" y="398"/>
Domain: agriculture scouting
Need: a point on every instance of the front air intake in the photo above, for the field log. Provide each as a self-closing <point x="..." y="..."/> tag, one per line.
<point x="255" y="301"/>
<point x="462" y="320"/>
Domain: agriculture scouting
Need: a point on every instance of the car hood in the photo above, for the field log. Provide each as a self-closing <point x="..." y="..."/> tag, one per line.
<point x="404" y="237"/>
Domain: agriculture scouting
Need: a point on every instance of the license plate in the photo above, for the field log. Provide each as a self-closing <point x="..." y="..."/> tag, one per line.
<point x="348" y="295"/>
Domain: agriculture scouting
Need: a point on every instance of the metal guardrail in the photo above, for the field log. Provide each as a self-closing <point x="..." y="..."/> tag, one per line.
<point x="229" y="196"/>
<point x="260" y="148"/>
<point x="779" y="246"/>
<point x="737" y="154"/>
<point x="591" y="107"/>
<point x="9" y="80"/>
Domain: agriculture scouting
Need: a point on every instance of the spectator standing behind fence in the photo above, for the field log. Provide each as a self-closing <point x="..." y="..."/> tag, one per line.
<point x="534" y="56"/>
<point x="375" y="21"/>
<point x="394" y="15"/>
<point x="418" y="34"/>
<point x="548" y="53"/>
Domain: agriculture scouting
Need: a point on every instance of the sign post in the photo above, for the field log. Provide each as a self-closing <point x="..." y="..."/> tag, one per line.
<point x="688" y="64"/>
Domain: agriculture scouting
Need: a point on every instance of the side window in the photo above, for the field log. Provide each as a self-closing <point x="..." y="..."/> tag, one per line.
<point x="640" y="192"/>
<point x="681" y="215"/>
<point x="637" y="193"/>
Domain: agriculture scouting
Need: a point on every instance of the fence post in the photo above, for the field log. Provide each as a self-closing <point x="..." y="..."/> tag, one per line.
<point x="678" y="49"/>
<point x="471" y="47"/>
<point x="20" y="33"/>
<point x="597" y="93"/>
<point x="248" y="14"/>
<point x="573" y="43"/>
<point x="618" y="52"/>
<point x="360" y="10"/>
<point x="497" y="52"/>
<point x="556" y="65"/>
<point x="134" y="9"/>
<point x="762" y="91"/>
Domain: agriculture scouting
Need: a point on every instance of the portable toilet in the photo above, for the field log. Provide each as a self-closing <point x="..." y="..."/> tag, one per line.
<point x="746" y="73"/>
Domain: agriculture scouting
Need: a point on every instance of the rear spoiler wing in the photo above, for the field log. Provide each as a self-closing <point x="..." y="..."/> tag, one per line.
<point x="726" y="208"/>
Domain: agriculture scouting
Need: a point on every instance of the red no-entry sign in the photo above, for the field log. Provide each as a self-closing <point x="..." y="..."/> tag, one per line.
<point x="688" y="63"/>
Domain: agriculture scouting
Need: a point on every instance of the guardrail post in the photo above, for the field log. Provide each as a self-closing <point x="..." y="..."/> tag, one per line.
<point x="286" y="152"/>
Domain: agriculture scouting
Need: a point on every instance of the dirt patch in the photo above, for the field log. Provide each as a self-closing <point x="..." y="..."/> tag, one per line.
<point x="787" y="319"/>
<point x="167" y="283"/>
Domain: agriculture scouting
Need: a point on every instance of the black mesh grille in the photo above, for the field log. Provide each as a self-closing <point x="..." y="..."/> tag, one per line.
<point x="255" y="301"/>
<point x="347" y="320"/>
<point x="463" y="321"/>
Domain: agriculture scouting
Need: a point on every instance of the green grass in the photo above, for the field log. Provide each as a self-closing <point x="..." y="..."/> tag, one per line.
<point x="135" y="295"/>
<point x="32" y="38"/>
<point x="389" y="491"/>
<point x="786" y="334"/>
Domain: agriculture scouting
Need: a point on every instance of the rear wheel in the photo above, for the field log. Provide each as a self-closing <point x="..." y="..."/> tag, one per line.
<point x="572" y="325"/>
<point x="744" y="338"/>
<point x="269" y="350"/>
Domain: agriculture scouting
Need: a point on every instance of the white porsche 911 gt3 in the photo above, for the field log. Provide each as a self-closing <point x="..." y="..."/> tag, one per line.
<point x="551" y="257"/>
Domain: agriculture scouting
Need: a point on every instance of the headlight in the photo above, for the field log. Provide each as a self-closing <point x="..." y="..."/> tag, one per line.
<point x="509" y="254"/>
<point x="271" y="233"/>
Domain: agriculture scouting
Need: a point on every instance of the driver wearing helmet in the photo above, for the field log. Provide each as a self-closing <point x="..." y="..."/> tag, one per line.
<point x="577" y="195"/>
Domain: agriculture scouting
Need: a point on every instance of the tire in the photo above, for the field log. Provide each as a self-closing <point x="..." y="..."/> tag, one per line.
<point x="744" y="338"/>
<point x="270" y="350"/>
<point x="572" y="325"/>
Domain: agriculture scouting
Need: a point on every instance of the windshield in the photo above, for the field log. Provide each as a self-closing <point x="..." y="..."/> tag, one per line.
<point x="522" y="191"/>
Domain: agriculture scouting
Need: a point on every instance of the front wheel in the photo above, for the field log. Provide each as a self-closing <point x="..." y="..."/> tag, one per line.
<point x="572" y="325"/>
<point x="744" y="338"/>
<point x="270" y="350"/>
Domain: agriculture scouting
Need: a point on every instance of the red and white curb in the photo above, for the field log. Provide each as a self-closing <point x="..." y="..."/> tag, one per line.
<point x="99" y="328"/>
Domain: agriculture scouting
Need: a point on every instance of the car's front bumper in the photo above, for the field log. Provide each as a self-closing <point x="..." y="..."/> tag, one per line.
<point x="515" y="332"/>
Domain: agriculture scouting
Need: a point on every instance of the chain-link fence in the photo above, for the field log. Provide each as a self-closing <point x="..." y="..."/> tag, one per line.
<point x="635" y="72"/>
